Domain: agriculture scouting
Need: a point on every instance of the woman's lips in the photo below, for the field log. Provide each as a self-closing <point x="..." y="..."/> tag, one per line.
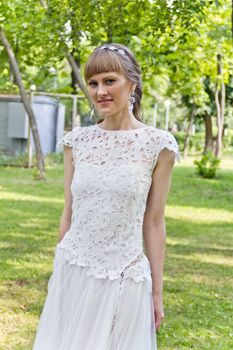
<point x="103" y="102"/>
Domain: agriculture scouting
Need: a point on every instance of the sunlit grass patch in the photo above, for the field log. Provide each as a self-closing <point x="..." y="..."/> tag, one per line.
<point x="198" y="277"/>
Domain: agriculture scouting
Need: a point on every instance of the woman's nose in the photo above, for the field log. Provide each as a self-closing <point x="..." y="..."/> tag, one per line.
<point x="101" y="90"/>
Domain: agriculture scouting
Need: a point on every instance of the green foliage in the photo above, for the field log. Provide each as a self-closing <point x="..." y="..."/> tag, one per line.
<point x="196" y="141"/>
<point x="53" y="159"/>
<point x="207" y="165"/>
<point x="180" y="137"/>
<point x="228" y="139"/>
<point x="175" y="42"/>
<point x="20" y="160"/>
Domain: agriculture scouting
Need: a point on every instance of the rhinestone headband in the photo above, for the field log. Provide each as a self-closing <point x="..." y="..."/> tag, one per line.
<point x="113" y="48"/>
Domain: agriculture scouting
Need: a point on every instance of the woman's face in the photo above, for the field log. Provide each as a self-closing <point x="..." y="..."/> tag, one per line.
<point x="110" y="92"/>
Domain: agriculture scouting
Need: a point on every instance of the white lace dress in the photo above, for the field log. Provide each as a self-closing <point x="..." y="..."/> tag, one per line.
<point x="100" y="292"/>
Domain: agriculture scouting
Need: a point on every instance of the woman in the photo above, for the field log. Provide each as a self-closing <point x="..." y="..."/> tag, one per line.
<point x="105" y="293"/>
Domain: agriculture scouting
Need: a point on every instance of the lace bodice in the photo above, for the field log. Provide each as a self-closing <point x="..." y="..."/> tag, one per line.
<point x="111" y="180"/>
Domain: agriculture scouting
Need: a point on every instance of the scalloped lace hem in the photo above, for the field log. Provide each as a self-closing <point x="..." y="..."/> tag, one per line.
<point x="138" y="271"/>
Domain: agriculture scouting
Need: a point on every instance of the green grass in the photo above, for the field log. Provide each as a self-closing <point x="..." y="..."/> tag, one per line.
<point x="198" y="276"/>
<point x="29" y="213"/>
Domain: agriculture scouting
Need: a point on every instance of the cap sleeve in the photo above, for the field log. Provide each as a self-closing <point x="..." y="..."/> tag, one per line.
<point x="67" y="139"/>
<point x="168" y="141"/>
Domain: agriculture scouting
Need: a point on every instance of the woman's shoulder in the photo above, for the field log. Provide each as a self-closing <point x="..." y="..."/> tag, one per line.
<point x="68" y="139"/>
<point x="169" y="142"/>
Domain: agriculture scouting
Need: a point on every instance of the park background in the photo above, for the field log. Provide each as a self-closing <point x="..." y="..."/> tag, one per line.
<point x="185" y="50"/>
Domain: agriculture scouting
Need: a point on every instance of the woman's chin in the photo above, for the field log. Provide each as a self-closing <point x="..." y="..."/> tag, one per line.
<point x="105" y="112"/>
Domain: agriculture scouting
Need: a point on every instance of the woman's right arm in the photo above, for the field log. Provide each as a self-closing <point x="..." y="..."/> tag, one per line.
<point x="65" y="221"/>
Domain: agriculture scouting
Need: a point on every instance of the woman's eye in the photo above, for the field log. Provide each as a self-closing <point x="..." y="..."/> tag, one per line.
<point x="92" y="83"/>
<point x="110" y="81"/>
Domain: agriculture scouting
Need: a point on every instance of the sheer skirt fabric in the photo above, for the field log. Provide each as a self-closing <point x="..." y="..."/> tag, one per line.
<point x="83" y="312"/>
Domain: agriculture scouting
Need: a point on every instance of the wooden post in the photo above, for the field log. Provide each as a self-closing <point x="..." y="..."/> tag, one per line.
<point x="155" y="114"/>
<point x="29" y="144"/>
<point x="74" y="112"/>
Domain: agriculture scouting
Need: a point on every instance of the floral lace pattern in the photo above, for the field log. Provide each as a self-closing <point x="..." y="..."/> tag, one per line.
<point x="111" y="181"/>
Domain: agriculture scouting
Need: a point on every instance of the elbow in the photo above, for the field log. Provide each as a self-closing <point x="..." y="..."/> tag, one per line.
<point x="151" y="228"/>
<point x="154" y="220"/>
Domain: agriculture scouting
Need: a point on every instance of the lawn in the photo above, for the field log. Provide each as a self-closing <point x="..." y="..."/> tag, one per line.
<point x="198" y="278"/>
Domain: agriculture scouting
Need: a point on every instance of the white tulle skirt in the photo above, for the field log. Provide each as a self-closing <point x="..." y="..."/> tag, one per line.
<point x="86" y="313"/>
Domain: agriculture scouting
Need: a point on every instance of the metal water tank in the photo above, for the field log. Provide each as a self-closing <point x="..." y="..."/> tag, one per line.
<point x="50" y="118"/>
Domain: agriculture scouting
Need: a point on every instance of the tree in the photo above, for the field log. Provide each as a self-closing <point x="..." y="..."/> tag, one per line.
<point x="32" y="120"/>
<point x="189" y="53"/>
<point x="175" y="40"/>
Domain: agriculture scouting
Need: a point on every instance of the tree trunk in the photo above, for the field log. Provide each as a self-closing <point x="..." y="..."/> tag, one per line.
<point x="74" y="67"/>
<point x="218" y="143"/>
<point x="77" y="75"/>
<point x="26" y="103"/>
<point x="188" y="132"/>
<point x="11" y="75"/>
<point x="74" y="84"/>
<point x="220" y="105"/>
<point x="208" y="134"/>
<point x="232" y="20"/>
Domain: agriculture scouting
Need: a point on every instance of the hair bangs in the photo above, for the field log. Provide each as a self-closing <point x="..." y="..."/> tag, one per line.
<point x="102" y="61"/>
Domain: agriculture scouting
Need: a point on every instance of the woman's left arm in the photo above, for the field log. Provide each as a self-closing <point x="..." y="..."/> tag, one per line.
<point x="154" y="227"/>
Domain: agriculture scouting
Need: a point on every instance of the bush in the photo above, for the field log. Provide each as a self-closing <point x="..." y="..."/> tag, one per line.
<point x="228" y="139"/>
<point x="21" y="160"/>
<point x="196" y="142"/>
<point x="208" y="165"/>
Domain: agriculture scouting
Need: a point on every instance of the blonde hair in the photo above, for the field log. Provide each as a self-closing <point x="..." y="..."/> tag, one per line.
<point x="106" y="60"/>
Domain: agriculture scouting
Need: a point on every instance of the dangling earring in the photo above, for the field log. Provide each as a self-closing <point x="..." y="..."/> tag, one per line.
<point x="131" y="102"/>
<point x="92" y="113"/>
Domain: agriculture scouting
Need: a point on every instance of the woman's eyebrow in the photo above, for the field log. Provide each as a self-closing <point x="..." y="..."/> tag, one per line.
<point x="110" y="76"/>
<point x="106" y="77"/>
